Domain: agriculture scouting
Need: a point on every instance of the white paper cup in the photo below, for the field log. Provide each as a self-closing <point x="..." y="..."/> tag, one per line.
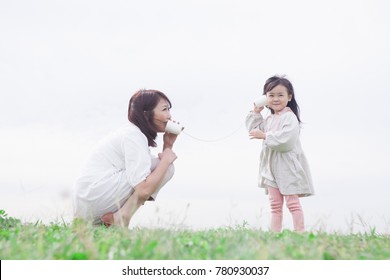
<point x="173" y="127"/>
<point x="261" y="101"/>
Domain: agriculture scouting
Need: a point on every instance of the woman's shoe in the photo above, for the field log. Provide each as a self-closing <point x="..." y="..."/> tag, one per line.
<point x="107" y="219"/>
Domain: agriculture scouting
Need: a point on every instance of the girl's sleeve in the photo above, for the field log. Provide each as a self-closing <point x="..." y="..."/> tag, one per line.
<point x="254" y="120"/>
<point x="137" y="158"/>
<point x="284" y="139"/>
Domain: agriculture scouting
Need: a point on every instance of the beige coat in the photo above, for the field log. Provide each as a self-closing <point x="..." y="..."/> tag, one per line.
<point x="282" y="162"/>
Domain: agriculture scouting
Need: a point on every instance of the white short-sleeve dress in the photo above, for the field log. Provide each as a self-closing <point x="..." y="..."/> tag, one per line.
<point x="283" y="163"/>
<point x="116" y="165"/>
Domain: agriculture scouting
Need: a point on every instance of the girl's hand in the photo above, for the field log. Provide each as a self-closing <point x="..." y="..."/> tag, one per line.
<point x="256" y="133"/>
<point x="167" y="155"/>
<point x="256" y="109"/>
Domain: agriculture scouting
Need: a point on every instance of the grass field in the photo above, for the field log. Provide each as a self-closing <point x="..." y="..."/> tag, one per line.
<point x="79" y="240"/>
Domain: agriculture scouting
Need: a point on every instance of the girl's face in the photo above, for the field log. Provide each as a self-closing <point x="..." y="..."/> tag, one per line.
<point x="161" y="115"/>
<point x="278" y="98"/>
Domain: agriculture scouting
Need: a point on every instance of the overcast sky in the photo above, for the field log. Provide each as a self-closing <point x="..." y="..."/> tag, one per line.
<point x="68" y="69"/>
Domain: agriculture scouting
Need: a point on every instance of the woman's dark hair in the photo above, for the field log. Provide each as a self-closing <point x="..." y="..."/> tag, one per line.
<point x="281" y="80"/>
<point x="141" y="114"/>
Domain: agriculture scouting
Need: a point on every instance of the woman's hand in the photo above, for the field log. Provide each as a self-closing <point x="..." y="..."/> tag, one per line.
<point x="169" y="139"/>
<point x="167" y="155"/>
<point x="257" y="134"/>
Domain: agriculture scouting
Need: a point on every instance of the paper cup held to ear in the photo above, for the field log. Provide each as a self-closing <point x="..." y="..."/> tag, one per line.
<point x="173" y="127"/>
<point x="261" y="101"/>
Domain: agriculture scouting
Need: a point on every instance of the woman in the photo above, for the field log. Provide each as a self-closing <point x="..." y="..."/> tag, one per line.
<point x="121" y="174"/>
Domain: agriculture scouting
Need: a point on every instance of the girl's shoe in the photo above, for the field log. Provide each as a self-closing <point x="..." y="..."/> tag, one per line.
<point x="107" y="219"/>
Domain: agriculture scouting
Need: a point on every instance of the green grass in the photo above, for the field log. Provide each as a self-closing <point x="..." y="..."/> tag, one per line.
<point x="80" y="240"/>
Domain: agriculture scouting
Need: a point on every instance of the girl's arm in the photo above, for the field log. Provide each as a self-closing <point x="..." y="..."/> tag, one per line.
<point x="284" y="139"/>
<point x="254" y="120"/>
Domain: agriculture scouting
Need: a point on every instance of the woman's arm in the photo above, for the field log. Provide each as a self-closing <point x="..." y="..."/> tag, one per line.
<point x="144" y="189"/>
<point x="147" y="187"/>
<point x="169" y="139"/>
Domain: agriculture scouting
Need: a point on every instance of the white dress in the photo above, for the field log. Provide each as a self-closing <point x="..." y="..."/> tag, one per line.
<point x="283" y="163"/>
<point x="116" y="165"/>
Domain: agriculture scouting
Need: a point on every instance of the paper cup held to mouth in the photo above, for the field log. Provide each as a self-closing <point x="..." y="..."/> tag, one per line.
<point x="173" y="127"/>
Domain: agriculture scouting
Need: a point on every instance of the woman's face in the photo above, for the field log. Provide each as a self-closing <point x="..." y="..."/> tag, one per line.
<point x="161" y="115"/>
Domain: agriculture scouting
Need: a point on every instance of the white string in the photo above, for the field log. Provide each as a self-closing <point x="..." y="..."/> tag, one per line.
<point x="220" y="138"/>
<point x="214" y="140"/>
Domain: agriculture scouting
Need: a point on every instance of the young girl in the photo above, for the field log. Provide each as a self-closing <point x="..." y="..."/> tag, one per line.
<point x="284" y="171"/>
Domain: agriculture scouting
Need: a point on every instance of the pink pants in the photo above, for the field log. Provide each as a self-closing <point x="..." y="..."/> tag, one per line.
<point x="292" y="203"/>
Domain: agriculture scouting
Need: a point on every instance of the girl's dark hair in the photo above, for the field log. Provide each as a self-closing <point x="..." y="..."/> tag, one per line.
<point x="281" y="80"/>
<point x="141" y="113"/>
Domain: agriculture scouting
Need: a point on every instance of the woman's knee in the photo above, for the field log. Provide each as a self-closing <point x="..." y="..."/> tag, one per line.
<point x="168" y="175"/>
<point x="170" y="172"/>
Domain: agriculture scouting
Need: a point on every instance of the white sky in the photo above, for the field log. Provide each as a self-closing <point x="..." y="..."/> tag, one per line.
<point x="68" y="69"/>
